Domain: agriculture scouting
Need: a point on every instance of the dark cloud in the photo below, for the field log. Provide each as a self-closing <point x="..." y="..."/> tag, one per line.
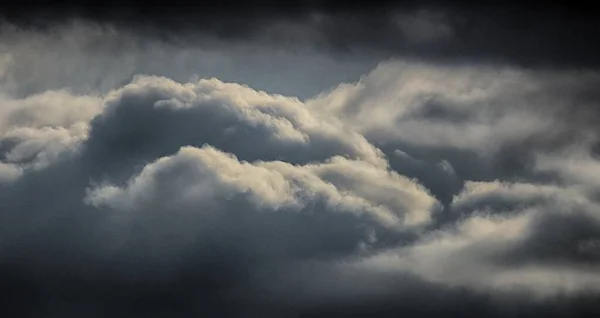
<point x="61" y="58"/>
<point x="56" y="243"/>
<point x="529" y="34"/>
<point x="144" y="187"/>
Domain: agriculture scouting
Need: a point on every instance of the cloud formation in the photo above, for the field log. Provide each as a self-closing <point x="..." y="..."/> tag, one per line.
<point x="554" y="35"/>
<point x="460" y="189"/>
<point x="527" y="236"/>
<point x="38" y="129"/>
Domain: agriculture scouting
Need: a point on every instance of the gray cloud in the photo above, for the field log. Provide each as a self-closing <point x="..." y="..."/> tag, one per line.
<point x="199" y="191"/>
<point x="462" y="107"/>
<point x="458" y="189"/>
<point x="487" y="122"/>
<point x="61" y="58"/>
<point x="525" y="34"/>
<point x="35" y="131"/>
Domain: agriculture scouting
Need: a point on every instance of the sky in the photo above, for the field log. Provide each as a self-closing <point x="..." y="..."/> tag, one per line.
<point x="414" y="159"/>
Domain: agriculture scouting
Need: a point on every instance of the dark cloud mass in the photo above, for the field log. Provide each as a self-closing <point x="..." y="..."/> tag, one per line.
<point x="414" y="159"/>
<point x="524" y="32"/>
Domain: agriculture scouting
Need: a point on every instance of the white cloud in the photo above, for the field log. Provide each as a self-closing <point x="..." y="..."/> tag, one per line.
<point x="481" y="108"/>
<point x="9" y="172"/>
<point x="576" y="166"/>
<point x="271" y="155"/>
<point x="198" y="177"/>
<point x="478" y="193"/>
<point x="58" y="108"/>
<point x="286" y="119"/>
<point x="39" y="129"/>
<point x="471" y="256"/>
<point x="489" y="250"/>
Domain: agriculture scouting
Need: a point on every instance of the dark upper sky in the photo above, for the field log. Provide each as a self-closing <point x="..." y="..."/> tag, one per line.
<point x="560" y="34"/>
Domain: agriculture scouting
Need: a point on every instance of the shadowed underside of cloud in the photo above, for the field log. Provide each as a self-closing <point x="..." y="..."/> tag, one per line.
<point x="422" y="189"/>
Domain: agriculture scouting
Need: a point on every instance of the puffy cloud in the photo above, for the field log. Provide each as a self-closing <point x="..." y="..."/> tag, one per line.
<point x="154" y="116"/>
<point x="576" y="166"/>
<point x="501" y="227"/>
<point x="451" y="185"/>
<point x="486" y="122"/>
<point x="538" y="238"/>
<point x="499" y="196"/>
<point x="197" y="176"/>
<point x="479" y="108"/>
<point x="269" y="208"/>
<point x="35" y="131"/>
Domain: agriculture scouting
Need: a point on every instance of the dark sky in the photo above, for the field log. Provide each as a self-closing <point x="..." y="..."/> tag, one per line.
<point x="410" y="159"/>
<point x="561" y="34"/>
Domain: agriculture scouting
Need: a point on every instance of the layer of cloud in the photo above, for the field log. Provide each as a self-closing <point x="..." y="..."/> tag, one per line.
<point x="473" y="185"/>
<point x="526" y="236"/>
<point x="484" y="122"/>
<point x="61" y="58"/>
<point x="518" y="33"/>
<point x="344" y="185"/>
<point x="478" y="108"/>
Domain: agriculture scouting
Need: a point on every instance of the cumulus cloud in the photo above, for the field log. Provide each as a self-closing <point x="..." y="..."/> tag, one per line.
<point x="538" y="237"/>
<point x="485" y="122"/>
<point x="461" y="107"/>
<point x="344" y="185"/>
<point x="35" y="131"/>
<point x="458" y="188"/>
<point x="154" y="116"/>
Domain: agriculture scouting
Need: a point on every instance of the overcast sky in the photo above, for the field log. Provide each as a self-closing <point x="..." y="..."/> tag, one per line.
<point x="314" y="160"/>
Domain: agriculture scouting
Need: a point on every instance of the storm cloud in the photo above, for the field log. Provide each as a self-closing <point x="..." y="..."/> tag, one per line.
<point x="288" y="164"/>
<point x="531" y="34"/>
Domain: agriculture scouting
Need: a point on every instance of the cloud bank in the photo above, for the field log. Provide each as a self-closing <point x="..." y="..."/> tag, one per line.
<point x="421" y="188"/>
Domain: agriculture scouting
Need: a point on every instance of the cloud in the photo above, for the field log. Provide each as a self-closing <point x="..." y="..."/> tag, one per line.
<point x="206" y="174"/>
<point x="60" y="58"/>
<point x="458" y="188"/>
<point x="577" y="166"/>
<point x="539" y="238"/>
<point x="498" y="196"/>
<point x="154" y="116"/>
<point x="563" y="34"/>
<point x="424" y="26"/>
<point x="487" y="122"/>
<point x="37" y="130"/>
<point x="473" y="108"/>
<point x="289" y="159"/>
<point x="266" y="211"/>
<point x="9" y="172"/>
<point x="468" y="256"/>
